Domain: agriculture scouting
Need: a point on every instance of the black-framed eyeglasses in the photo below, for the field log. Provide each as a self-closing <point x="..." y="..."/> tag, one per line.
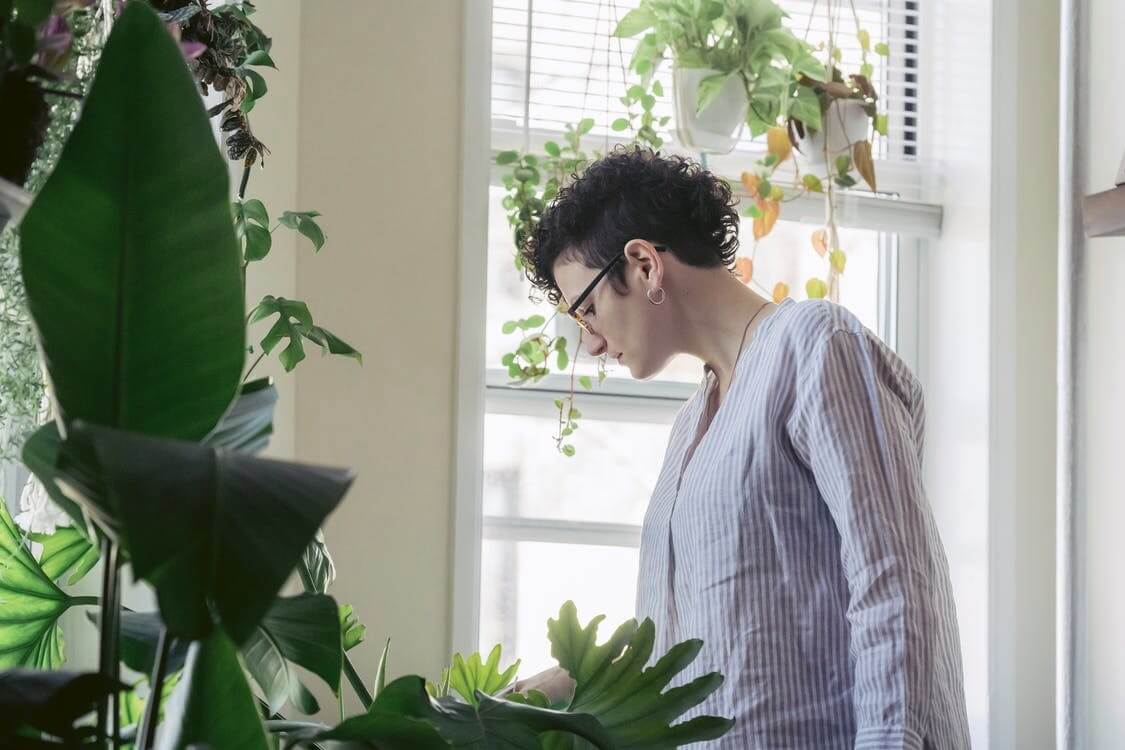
<point x="572" y="311"/>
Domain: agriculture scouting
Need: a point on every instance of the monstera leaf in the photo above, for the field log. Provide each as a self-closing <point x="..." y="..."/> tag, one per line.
<point x="128" y="253"/>
<point x="216" y="533"/>
<point x="30" y="605"/>
<point x="402" y="709"/>
<point x="630" y="700"/>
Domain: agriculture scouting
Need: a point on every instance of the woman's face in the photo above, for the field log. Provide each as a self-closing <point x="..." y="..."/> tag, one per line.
<point x="626" y="326"/>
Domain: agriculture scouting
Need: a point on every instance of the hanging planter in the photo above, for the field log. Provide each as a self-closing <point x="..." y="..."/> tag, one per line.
<point x="844" y="123"/>
<point x="717" y="128"/>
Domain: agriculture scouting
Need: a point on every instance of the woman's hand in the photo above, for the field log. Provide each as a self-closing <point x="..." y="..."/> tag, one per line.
<point x="555" y="683"/>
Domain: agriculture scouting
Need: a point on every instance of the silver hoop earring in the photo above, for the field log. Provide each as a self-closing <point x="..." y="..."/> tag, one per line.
<point x="662" y="295"/>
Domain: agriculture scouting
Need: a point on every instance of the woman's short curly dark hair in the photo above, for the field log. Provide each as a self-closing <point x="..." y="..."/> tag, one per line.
<point x="630" y="193"/>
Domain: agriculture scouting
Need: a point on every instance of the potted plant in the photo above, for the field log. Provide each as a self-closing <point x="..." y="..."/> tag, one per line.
<point x="143" y="456"/>
<point x="733" y="63"/>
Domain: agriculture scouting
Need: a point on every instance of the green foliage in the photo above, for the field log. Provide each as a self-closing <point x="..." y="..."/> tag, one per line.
<point x="67" y="550"/>
<point x="630" y="700"/>
<point x="140" y="322"/>
<point x="29" y="630"/>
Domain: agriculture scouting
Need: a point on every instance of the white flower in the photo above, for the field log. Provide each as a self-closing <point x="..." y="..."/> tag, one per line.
<point x="38" y="514"/>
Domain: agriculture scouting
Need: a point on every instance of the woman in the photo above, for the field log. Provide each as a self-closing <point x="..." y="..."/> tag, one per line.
<point x="788" y="529"/>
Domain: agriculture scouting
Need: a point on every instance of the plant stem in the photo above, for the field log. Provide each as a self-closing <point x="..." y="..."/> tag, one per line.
<point x="147" y="732"/>
<point x="356" y="681"/>
<point x="80" y="601"/>
<point x="109" y="714"/>
<point x="259" y="359"/>
<point x="245" y="179"/>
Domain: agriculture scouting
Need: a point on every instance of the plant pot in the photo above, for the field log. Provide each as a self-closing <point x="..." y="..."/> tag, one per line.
<point x="845" y="123"/>
<point x="717" y="129"/>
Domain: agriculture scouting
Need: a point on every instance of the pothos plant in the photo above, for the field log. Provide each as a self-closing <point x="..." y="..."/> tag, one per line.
<point x="531" y="181"/>
<point x="151" y="452"/>
<point x="792" y="98"/>
<point x="843" y="153"/>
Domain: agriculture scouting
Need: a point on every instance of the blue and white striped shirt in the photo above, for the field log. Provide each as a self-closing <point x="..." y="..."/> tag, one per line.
<point x="797" y="542"/>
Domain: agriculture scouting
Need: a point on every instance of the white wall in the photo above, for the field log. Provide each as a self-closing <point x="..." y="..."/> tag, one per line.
<point x="1102" y="673"/>
<point x="988" y="356"/>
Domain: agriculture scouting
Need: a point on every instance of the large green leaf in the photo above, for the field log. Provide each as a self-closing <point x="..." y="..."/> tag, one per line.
<point x="630" y="700"/>
<point x="212" y="705"/>
<point x="66" y="551"/>
<point x="303" y="630"/>
<point x="248" y="423"/>
<point x="393" y="721"/>
<point x="30" y="605"/>
<point x="48" y="701"/>
<point x="216" y="532"/>
<point x="40" y="455"/>
<point x="128" y="252"/>
<point x="473" y="675"/>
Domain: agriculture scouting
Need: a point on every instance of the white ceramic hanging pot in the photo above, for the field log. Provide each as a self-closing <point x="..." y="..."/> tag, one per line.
<point x="845" y="123"/>
<point x="717" y="129"/>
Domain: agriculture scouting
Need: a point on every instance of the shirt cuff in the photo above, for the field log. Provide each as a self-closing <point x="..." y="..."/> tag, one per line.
<point x="887" y="738"/>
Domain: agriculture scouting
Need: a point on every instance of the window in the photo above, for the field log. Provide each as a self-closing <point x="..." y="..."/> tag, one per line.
<point x="553" y="528"/>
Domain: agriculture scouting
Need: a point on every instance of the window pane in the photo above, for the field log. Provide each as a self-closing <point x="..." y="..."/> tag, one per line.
<point x="609" y="480"/>
<point x="524" y="583"/>
<point x="787" y="255"/>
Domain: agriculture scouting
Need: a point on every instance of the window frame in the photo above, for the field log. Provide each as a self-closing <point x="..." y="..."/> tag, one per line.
<point x="907" y="225"/>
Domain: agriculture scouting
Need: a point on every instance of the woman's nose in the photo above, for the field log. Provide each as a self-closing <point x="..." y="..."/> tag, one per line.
<point x="595" y="344"/>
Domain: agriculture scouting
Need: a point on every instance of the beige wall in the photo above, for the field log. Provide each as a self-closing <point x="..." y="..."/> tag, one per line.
<point x="275" y="120"/>
<point x="379" y="133"/>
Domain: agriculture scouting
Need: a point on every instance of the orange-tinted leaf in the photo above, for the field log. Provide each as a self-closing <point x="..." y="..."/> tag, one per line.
<point x="816" y="289"/>
<point x="780" y="292"/>
<point x="750" y="181"/>
<point x="861" y="155"/>
<point x="744" y="267"/>
<point x="763" y="225"/>
<point x="777" y="141"/>
<point x="820" y="242"/>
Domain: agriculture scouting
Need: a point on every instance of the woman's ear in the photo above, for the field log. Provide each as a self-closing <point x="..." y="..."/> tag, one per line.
<point x="645" y="262"/>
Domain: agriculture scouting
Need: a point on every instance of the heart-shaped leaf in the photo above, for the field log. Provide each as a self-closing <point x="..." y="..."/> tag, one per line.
<point x="216" y="533"/>
<point x="139" y="312"/>
<point x="30" y="605"/>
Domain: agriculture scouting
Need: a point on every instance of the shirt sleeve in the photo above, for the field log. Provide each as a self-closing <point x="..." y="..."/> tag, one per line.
<point x="856" y="424"/>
